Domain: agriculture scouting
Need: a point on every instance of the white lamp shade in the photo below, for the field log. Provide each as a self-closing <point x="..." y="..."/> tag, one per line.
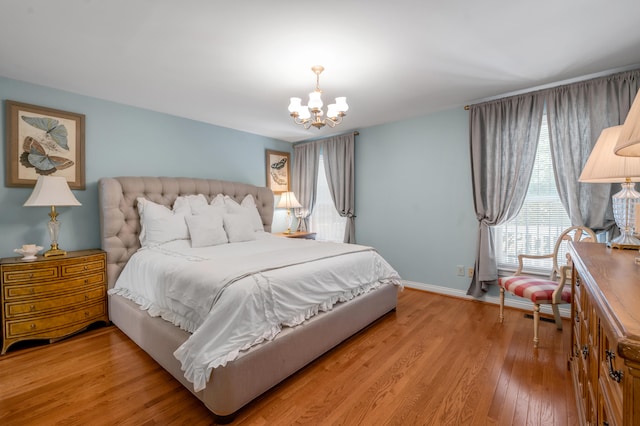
<point x="304" y="113"/>
<point x="315" y="101"/>
<point x="288" y="200"/>
<point x="295" y="105"/>
<point x="629" y="140"/>
<point x="341" y="104"/>
<point x="603" y="165"/>
<point x="332" y="111"/>
<point x="51" y="191"/>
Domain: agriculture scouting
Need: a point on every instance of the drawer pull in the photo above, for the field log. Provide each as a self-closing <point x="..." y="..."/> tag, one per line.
<point x="86" y="314"/>
<point x="32" y="308"/>
<point x="84" y="268"/>
<point x="33" y="326"/>
<point x="86" y="297"/>
<point x="86" y="281"/>
<point x="30" y="275"/>
<point x="585" y="351"/>
<point x="616" y="375"/>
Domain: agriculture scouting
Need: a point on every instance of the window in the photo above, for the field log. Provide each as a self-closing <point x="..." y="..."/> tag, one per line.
<point x="541" y="219"/>
<point x="325" y="220"/>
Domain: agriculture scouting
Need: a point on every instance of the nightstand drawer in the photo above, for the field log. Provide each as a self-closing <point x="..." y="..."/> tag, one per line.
<point x="40" y="306"/>
<point x="27" y="273"/>
<point x="12" y="292"/>
<point x="48" y="326"/>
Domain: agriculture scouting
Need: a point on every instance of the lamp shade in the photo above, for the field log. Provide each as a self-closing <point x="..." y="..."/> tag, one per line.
<point x="603" y="165"/>
<point x="51" y="191"/>
<point x="629" y="140"/>
<point x="288" y="200"/>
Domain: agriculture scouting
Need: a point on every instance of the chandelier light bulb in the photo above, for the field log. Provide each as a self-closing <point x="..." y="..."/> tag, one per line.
<point x="312" y="114"/>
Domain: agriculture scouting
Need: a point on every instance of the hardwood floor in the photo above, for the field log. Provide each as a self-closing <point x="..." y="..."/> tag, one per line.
<point x="435" y="361"/>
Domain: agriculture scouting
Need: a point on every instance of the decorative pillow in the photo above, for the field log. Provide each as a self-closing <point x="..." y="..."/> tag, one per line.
<point x="206" y="230"/>
<point x="247" y="207"/>
<point x="217" y="201"/>
<point x="161" y="224"/>
<point x="193" y="201"/>
<point x="238" y="227"/>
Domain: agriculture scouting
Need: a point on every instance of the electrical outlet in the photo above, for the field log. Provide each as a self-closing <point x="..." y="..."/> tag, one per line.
<point x="460" y="269"/>
<point x="470" y="272"/>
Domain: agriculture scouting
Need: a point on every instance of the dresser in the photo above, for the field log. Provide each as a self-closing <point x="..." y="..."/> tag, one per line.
<point x="51" y="298"/>
<point x="605" y="336"/>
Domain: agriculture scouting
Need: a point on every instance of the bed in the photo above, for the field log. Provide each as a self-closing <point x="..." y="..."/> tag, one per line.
<point x="262" y="365"/>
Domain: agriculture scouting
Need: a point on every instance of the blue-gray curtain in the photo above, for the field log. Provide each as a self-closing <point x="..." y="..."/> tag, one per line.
<point x="503" y="138"/>
<point x="338" y="154"/>
<point x="305" y="177"/>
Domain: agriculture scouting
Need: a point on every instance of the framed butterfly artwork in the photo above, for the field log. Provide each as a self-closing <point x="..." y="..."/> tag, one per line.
<point x="278" y="167"/>
<point x="43" y="141"/>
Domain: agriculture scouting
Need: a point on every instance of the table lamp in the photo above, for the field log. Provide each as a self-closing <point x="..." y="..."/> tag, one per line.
<point x="288" y="201"/>
<point x="604" y="166"/>
<point x="52" y="191"/>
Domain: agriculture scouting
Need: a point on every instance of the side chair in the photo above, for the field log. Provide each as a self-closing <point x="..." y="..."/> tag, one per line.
<point x="545" y="291"/>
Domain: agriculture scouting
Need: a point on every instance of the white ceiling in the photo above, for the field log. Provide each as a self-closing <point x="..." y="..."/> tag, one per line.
<point x="236" y="63"/>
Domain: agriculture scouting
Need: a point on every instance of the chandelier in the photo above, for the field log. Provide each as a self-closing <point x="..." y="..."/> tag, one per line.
<point x="312" y="114"/>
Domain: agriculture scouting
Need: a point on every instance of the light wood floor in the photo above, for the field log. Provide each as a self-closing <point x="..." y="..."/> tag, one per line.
<point x="436" y="361"/>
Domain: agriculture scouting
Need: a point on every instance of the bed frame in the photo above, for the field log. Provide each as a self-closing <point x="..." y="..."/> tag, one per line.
<point x="261" y="367"/>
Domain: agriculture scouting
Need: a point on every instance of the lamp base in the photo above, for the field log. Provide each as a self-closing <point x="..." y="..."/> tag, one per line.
<point x="624" y="241"/>
<point x="54" y="251"/>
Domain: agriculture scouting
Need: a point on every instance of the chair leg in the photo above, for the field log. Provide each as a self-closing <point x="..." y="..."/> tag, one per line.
<point x="536" y="322"/>
<point x="501" y="317"/>
<point x="556" y="314"/>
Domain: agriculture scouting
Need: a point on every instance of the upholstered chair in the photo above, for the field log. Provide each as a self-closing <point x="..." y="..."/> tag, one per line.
<point x="553" y="291"/>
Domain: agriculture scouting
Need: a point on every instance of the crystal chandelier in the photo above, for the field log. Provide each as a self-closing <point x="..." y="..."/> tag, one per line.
<point x="312" y="115"/>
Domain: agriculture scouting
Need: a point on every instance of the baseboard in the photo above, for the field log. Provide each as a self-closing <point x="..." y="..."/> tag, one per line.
<point x="565" y="310"/>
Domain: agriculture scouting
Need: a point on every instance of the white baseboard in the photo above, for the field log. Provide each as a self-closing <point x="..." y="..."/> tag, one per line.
<point x="565" y="310"/>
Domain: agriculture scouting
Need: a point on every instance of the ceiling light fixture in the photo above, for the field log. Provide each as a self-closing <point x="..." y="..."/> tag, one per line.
<point x="312" y="115"/>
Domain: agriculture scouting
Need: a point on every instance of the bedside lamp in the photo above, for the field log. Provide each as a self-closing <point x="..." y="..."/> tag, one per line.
<point x="628" y="143"/>
<point x="604" y="166"/>
<point x="52" y="191"/>
<point x="288" y="201"/>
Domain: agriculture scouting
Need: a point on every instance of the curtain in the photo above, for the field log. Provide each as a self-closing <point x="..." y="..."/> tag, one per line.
<point x="503" y="138"/>
<point x="576" y="114"/>
<point x="338" y="154"/>
<point x="305" y="176"/>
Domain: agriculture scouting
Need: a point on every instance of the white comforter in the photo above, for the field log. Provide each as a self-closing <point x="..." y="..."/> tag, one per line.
<point x="234" y="296"/>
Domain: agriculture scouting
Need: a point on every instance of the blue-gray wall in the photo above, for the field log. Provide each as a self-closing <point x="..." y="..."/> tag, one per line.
<point x="123" y="141"/>
<point x="413" y="185"/>
<point x="414" y="201"/>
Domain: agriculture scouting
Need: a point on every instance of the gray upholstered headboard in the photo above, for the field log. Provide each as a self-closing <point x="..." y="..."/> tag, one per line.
<point x="119" y="220"/>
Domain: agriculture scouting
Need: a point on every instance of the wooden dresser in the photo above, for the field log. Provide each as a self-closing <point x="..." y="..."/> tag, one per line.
<point x="51" y="298"/>
<point x="605" y="358"/>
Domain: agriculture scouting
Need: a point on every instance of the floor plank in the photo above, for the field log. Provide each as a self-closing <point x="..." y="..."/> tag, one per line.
<point x="437" y="360"/>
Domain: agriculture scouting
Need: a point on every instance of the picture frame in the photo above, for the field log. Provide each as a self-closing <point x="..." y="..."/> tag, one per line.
<point x="278" y="171"/>
<point x="43" y="141"/>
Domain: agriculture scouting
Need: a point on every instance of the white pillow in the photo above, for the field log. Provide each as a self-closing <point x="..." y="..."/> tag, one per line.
<point x="206" y="230"/>
<point x="247" y="207"/>
<point x="217" y="201"/>
<point x="161" y="224"/>
<point x="193" y="201"/>
<point x="238" y="227"/>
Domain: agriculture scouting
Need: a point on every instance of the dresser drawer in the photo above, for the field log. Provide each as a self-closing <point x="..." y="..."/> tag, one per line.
<point x="13" y="292"/>
<point x="35" y="307"/>
<point x="53" y="325"/>
<point x="91" y="264"/>
<point x="26" y="273"/>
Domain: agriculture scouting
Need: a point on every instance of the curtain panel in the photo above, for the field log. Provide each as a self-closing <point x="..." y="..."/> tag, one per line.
<point x="305" y="177"/>
<point x="504" y="137"/>
<point x="577" y="114"/>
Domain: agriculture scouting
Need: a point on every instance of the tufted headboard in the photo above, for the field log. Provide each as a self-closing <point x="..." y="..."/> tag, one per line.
<point x="120" y="222"/>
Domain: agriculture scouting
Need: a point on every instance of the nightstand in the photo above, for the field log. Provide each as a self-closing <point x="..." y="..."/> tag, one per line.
<point x="52" y="297"/>
<point x="298" y="234"/>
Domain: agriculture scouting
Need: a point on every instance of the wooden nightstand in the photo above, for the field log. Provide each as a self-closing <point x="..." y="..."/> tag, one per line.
<point x="54" y="297"/>
<point x="298" y="234"/>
